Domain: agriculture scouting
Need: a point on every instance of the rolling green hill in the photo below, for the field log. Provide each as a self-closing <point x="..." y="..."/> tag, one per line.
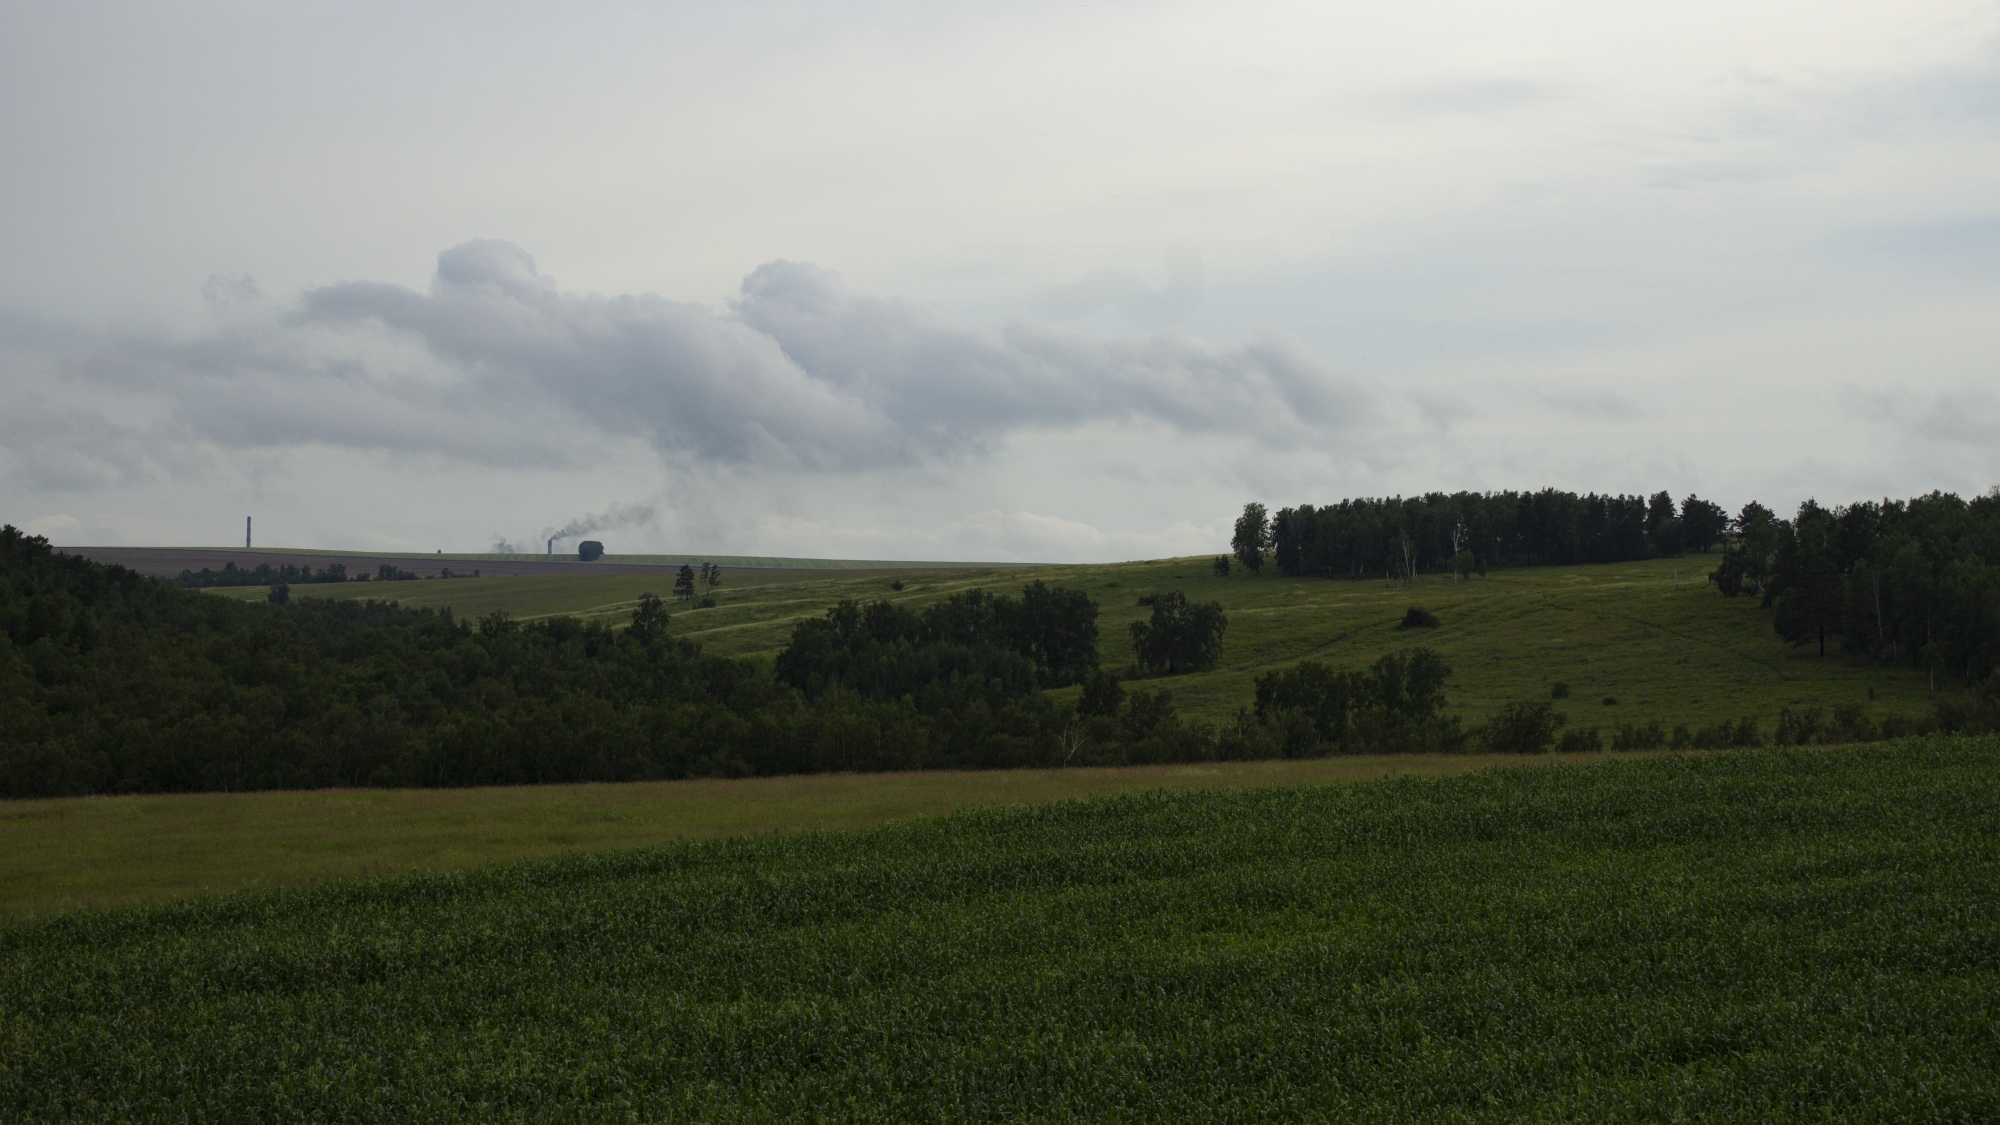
<point x="1769" y="935"/>
<point x="1653" y="636"/>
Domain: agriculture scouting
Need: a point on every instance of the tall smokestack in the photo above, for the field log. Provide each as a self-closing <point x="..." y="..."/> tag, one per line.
<point x="552" y="544"/>
<point x="246" y="533"/>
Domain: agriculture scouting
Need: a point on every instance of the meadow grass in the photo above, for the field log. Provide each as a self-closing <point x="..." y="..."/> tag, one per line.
<point x="1654" y="636"/>
<point x="1774" y="935"/>
<point x="73" y="852"/>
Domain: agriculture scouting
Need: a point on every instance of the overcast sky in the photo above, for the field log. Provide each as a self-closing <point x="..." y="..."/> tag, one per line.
<point x="959" y="281"/>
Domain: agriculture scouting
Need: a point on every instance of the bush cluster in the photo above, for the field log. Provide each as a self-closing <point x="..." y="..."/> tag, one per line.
<point x="1396" y="705"/>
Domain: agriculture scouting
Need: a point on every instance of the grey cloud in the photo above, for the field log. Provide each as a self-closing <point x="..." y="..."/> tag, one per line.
<point x="496" y="365"/>
<point x="1442" y="411"/>
<point x="671" y="373"/>
<point x="225" y="291"/>
<point x="1608" y="406"/>
<point x="942" y="384"/>
<point x="293" y="382"/>
<point x="1965" y="417"/>
<point x="1132" y="297"/>
<point x="60" y="447"/>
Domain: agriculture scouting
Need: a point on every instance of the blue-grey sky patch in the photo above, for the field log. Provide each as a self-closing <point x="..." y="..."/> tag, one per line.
<point x="1967" y="245"/>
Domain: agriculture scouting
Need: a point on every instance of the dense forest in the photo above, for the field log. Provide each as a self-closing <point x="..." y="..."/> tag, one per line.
<point x="112" y="682"/>
<point x="1913" y="582"/>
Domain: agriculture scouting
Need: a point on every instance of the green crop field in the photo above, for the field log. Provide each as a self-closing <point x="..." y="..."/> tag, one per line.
<point x="1773" y="935"/>
<point x="1653" y="636"/>
<point x="74" y="852"/>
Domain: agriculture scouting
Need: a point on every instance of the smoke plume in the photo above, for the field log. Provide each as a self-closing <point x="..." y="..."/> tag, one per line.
<point x="611" y="519"/>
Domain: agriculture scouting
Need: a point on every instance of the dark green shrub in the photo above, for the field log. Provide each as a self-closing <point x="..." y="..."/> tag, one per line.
<point x="1800" y="728"/>
<point x="1102" y="695"/>
<point x="1182" y="636"/>
<point x="1725" y="734"/>
<point x="1582" y="740"/>
<point x="1851" y="724"/>
<point x="1522" y="728"/>
<point x="1396" y="705"/>
<point x="1633" y="736"/>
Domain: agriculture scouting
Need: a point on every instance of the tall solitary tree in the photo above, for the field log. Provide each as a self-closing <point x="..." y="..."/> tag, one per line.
<point x="684" y="583"/>
<point x="649" y="621"/>
<point x="1253" y="534"/>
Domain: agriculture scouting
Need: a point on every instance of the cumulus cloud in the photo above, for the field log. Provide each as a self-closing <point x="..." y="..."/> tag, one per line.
<point x="496" y="364"/>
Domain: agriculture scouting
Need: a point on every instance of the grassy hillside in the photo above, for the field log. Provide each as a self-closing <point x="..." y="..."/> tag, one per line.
<point x="1782" y="935"/>
<point x="75" y="852"/>
<point x="1653" y="636"/>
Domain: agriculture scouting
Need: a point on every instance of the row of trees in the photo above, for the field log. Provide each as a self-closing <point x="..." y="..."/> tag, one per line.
<point x="263" y="574"/>
<point x="1911" y="581"/>
<point x="286" y="574"/>
<point x="688" y="582"/>
<point x="1914" y="582"/>
<point x="1469" y="532"/>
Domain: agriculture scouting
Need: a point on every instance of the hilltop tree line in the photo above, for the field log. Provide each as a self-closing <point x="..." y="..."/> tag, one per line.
<point x="1470" y="532"/>
<point x="263" y="574"/>
<point x="1915" y="582"/>
<point x="288" y="574"/>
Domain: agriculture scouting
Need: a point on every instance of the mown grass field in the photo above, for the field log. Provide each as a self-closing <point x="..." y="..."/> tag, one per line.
<point x="1770" y="935"/>
<point x="111" y="851"/>
<point x="1653" y="636"/>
